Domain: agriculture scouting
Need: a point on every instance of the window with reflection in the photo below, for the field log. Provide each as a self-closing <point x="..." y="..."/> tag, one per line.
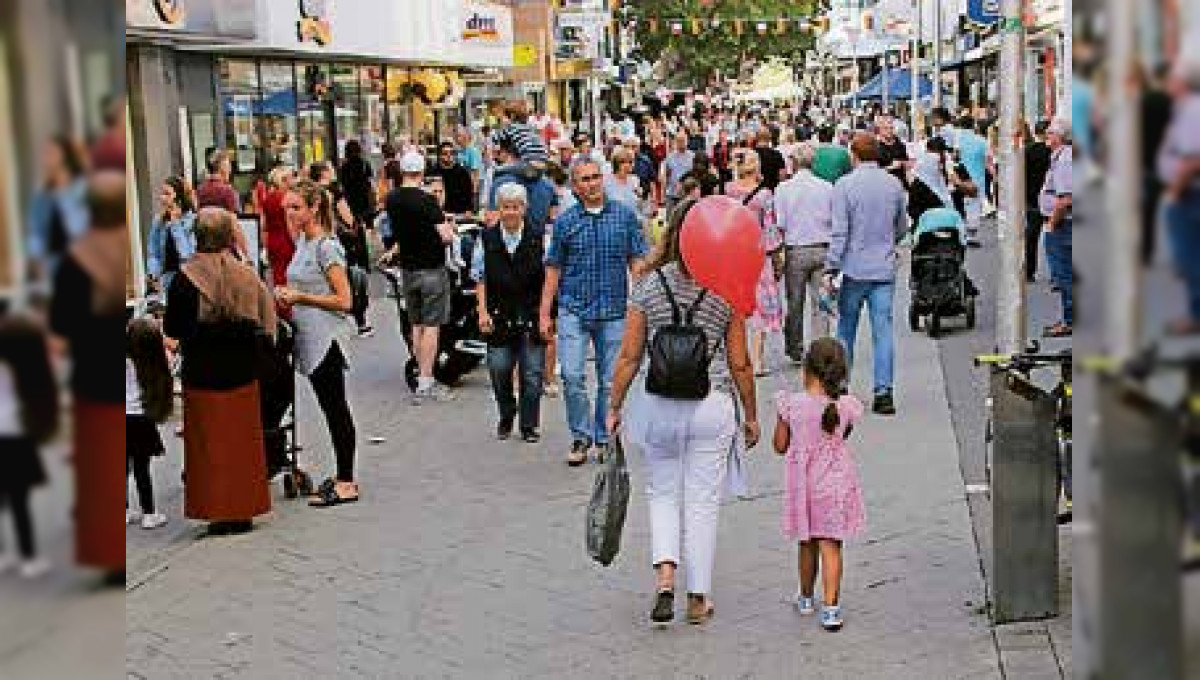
<point x="344" y="92"/>
<point x="279" y="119"/>
<point x="398" y="92"/>
<point x="240" y="104"/>
<point x="315" y="111"/>
<point x="371" y="129"/>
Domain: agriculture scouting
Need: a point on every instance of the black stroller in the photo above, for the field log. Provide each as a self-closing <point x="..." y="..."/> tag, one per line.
<point x="277" y="397"/>
<point x="938" y="280"/>
<point x="461" y="347"/>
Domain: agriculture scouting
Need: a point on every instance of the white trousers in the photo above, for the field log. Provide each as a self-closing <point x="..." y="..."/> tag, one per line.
<point x="686" y="444"/>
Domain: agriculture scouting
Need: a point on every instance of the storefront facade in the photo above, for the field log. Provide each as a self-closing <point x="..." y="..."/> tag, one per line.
<point x="285" y="82"/>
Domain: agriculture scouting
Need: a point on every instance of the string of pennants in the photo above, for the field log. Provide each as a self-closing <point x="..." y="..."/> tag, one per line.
<point x="760" y="25"/>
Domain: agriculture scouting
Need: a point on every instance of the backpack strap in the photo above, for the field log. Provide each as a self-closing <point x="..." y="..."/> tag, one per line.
<point x="691" y="314"/>
<point x="676" y="315"/>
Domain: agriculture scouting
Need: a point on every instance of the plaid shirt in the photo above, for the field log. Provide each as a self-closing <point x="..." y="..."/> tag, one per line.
<point x="593" y="252"/>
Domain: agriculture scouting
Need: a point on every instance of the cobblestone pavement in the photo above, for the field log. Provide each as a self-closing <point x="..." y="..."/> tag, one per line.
<point x="465" y="559"/>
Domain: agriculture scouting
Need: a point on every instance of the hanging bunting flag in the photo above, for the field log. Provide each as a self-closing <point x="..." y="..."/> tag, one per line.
<point x="738" y="26"/>
<point x="652" y="25"/>
<point x="695" y="26"/>
<point x="781" y="26"/>
<point x="761" y="27"/>
<point x="676" y="28"/>
<point x="716" y="22"/>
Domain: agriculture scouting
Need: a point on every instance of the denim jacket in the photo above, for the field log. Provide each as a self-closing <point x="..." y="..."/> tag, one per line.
<point x="156" y="246"/>
<point x="72" y="205"/>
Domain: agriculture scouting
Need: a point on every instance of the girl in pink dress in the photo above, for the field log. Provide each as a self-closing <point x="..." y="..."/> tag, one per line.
<point x="768" y="315"/>
<point x="822" y="497"/>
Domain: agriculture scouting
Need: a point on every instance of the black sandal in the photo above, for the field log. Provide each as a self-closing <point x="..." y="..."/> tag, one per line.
<point x="664" y="607"/>
<point x="327" y="497"/>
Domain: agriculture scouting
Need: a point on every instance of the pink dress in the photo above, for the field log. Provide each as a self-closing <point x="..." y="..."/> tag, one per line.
<point x="822" y="496"/>
<point x="768" y="316"/>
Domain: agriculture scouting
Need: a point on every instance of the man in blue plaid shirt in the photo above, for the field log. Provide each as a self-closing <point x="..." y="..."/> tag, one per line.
<point x="595" y="245"/>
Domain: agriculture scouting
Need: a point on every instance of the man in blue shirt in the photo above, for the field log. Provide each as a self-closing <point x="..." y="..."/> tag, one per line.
<point x="542" y="196"/>
<point x="595" y="245"/>
<point x="869" y="219"/>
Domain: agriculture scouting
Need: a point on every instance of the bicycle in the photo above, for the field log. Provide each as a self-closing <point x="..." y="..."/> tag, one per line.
<point x="1024" y="364"/>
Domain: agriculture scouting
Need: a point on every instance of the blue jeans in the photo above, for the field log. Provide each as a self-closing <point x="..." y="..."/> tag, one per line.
<point x="529" y="355"/>
<point x="877" y="295"/>
<point x="1183" y="224"/>
<point x="1062" y="273"/>
<point x="574" y="334"/>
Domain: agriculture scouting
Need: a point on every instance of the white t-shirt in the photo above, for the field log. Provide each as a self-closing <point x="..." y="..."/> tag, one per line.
<point x="133" y="391"/>
<point x="10" y="406"/>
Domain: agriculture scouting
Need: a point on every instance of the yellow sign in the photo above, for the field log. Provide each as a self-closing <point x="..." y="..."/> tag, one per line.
<point x="524" y="55"/>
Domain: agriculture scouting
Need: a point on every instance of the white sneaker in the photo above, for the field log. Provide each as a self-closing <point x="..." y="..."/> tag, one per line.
<point x="132" y="516"/>
<point x="805" y="605"/>
<point x="154" y="520"/>
<point x="35" y="568"/>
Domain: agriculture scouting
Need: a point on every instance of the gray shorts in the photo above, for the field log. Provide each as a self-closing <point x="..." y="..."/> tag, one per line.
<point x="427" y="296"/>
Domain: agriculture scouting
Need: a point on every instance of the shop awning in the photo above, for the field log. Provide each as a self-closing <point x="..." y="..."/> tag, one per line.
<point x="899" y="86"/>
<point x="281" y="103"/>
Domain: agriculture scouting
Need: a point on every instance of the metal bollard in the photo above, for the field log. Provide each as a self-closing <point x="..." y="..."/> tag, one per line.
<point x="1024" y="500"/>
<point x="1139" y="526"/>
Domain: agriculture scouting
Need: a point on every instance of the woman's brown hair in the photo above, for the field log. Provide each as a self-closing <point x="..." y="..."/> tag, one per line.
<point x="316" y="197"/>
<point x="825" y="361"/>
<point x="23" y="348"/>
<point x="670" y="250"/>
<point x="145" y="348"/>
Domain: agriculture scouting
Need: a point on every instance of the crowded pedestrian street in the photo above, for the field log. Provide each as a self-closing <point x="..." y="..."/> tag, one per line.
<point x="631" y="339"/>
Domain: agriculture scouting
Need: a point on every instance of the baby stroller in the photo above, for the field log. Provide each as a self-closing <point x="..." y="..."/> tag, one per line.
<point x="938" y="280"/>
<point x="277" y="390"/>
<point x="461" y="347"/>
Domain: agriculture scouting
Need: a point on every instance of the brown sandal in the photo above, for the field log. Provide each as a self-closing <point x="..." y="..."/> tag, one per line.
<point x="700" y="609"/>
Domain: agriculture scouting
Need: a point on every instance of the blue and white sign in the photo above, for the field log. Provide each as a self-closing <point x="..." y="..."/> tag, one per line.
<point x="986" y="12"/>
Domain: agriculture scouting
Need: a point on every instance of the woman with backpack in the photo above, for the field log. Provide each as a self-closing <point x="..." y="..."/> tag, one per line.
<point x="686" y="419"/>
<point x="319" y="297"/>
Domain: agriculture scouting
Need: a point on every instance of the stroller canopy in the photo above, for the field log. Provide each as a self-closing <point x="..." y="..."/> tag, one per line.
<point x="941" y="219"/>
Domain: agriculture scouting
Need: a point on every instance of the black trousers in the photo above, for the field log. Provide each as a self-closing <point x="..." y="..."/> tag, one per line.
<point x="329" y="384"/>
<point x="139" y="467"/>
<point x="1152" y="191"/>
<point x="17" y="502"/>
<point x="1033" y="235"/>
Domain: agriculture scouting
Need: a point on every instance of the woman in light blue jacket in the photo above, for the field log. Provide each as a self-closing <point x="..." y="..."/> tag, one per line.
<point x="58" y="213"/>
<point x="172" y="241"/>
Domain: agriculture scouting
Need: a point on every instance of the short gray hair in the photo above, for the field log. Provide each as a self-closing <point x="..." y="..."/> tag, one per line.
<point x="512" y="192"/>
<point x="580" y="162"/>
<point x="805" y="155"/>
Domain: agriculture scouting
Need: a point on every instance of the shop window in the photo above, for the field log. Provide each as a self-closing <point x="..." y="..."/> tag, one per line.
<point x="279" y="119"/>
<point x="399" y="96"/>
<point x="371" y="129"/>
<point x="315" y="112"/>
<point x="347" y="105"/>
<point x="240" y="103"/>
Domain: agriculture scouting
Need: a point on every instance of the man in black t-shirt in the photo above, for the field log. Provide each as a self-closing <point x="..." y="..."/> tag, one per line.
<point x="770" y="161"/>
<point x="1037" y="164"/>
<point x="893" y="152"/>
<point x="422" y="233"/>
<point x="460" y="190"/>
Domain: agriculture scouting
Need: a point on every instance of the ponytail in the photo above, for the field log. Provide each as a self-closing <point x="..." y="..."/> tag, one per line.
<point x="825" y="361"/>
<point x="831" y="418"/>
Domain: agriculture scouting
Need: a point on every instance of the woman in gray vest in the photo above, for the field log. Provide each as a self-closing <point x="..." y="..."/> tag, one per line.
<point x="686" y="441"/>
<point x="509" y="270"/>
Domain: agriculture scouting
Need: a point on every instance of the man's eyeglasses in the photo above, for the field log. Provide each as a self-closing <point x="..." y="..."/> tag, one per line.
<point x="589" y="178"/>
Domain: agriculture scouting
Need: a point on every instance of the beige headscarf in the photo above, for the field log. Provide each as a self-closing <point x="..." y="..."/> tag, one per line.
<point x="102" y="252"/>
<point x="229" y="289"/>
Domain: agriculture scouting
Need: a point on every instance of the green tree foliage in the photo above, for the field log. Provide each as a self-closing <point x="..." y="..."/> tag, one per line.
<point x="694" y="59"/>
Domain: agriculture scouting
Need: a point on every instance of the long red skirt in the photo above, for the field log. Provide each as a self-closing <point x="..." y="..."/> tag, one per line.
<point x="99" y="485"/>
<point x="223" y="455"/>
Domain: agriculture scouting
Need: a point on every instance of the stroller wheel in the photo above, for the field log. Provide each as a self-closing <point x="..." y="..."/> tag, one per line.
<point x="914" y="319"/>
<point x="304" y="485"/>
<point x="289" y="487"/>
<point x="935" y="325"/>
<point x="971" y="313"/>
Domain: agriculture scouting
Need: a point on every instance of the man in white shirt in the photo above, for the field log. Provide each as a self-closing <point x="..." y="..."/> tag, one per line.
<point x="804" y="211"/>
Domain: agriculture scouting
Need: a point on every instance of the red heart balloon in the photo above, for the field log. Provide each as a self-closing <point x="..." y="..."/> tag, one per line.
<point x="721" y="243"/>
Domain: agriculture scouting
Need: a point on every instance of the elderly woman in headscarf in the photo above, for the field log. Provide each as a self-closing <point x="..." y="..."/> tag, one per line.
<point x="220" y="313"/>
<point x="88" y="312"/>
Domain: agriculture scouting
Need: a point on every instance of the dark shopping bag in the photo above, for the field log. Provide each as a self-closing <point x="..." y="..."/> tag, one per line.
<point x="610" y="501"/>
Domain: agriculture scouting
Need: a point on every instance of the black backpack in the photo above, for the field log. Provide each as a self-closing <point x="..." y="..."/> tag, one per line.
<point x="679" y="354"/>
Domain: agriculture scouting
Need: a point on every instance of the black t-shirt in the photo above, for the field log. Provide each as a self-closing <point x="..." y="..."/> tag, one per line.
<point x="94" y="337"/>
<point x="771" y="163"/>
<point x="415" y="216"/>
<point x="460" y="191"/>
<point x="890" y="152"/>
<point x="1037" y="164"/>
<point x="1156" y="116"/>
